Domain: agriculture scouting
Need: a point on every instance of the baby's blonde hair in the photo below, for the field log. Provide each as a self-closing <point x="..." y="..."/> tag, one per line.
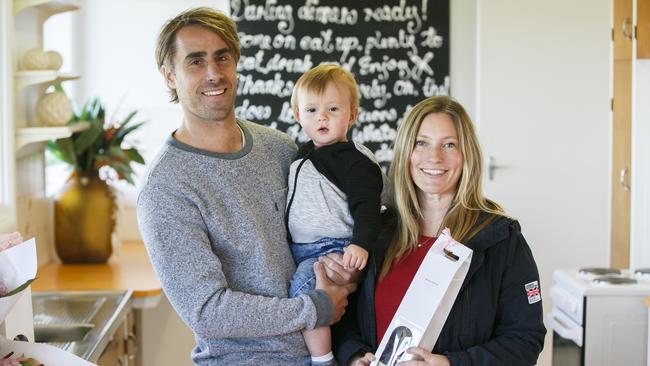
<point x="315" y="81"/>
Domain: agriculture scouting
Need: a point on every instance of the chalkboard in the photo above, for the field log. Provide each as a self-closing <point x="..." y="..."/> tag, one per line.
<point x="398" y="51"/>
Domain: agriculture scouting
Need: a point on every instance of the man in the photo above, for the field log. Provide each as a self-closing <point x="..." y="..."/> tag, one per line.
<point x="211" y="210"/>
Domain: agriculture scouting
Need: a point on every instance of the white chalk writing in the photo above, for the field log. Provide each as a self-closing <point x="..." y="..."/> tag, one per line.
<point x="253" y="112"/>
<point x="384" y="154"/>
<point x="277" y="86"/>
<point x="277" y="63"/>
<point x="396" y="13"/>
<point x="372" y="133"/>
<point x="311" y="12"/>
<point x="430" y="88"/>
<point x="325" y="43"/>
<point x="431" y="38"/>
<point x="380" y="42"/>
<point x="384" y="67"/>
<point x="286" y="115"/>
<point x="375" y="91"/>
<point x="270" y="11"/>
<point x="376" y="115"/>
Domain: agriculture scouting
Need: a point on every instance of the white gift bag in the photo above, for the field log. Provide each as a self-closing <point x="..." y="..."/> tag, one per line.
<point x="17" y="267"/>
<point x="427" y="302"/>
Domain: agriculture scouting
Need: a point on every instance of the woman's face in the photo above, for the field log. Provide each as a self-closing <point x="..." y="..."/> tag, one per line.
<point x="436" y="161"/>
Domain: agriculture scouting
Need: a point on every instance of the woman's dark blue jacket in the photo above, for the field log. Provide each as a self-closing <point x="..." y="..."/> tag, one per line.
<point x="491" y="321"/>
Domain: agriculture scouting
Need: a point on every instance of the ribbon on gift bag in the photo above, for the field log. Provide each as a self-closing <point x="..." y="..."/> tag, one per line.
<point x="427" y="302"/>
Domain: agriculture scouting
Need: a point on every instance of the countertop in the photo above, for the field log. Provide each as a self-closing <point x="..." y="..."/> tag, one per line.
<point x="130" y="268"/>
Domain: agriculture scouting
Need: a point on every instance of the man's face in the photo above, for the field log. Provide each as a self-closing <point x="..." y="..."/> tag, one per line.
<point x="204" y="75"/>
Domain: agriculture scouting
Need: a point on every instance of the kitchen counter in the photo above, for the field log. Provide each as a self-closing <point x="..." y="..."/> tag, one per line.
<point x="129" y="268"/>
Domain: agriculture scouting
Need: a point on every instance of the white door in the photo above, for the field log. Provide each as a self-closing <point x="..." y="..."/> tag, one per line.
<point x="543" y="113"/>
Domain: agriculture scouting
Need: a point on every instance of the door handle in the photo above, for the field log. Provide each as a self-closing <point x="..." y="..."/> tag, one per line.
<point x="492" y="166"/>
<point x="622" y="178"/>
<point x="627" y="23"/>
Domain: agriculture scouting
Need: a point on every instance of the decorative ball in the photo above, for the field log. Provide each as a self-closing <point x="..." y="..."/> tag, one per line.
<point x="54" y="109"/>
<point x="36" y="59"/>
<point x="56" y="61"/>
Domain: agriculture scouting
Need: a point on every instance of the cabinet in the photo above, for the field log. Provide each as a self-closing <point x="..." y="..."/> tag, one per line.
<point x="122" y="348"/>
<point x="643" y="29"/>
<point x="623" y="45"/>
<point x="631" y="51"/>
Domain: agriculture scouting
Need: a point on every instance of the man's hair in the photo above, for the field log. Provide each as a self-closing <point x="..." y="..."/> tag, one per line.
<point x="469" y="202"/>
<point x="208" y="18"/>
<point x="315" y="81"/>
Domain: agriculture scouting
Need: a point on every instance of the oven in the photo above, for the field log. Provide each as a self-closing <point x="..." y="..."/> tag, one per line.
<point x="598" y="318"/>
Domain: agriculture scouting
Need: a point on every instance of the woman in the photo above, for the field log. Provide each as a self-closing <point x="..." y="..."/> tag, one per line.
<point x="436" y="175"/>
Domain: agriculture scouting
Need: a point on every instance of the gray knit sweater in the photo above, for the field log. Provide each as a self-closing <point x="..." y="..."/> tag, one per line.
<point x="213" y="225"/>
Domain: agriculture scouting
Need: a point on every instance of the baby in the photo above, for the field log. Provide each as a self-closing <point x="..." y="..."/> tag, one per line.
<point x="335" y="187"/>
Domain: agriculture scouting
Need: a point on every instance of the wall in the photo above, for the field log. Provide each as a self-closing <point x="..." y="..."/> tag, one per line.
<point x="534" y="76"/>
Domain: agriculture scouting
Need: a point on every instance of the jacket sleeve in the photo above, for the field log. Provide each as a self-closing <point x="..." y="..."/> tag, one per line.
<point x="194" y="281"/>
<point x="519" y="329"/>
<point x="363" y="187"/>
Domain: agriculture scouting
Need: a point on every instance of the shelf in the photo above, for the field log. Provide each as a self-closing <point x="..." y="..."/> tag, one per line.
<point x="29" y="135"/>
<point x="47" y="8"/>
<point x="36" y="77"/>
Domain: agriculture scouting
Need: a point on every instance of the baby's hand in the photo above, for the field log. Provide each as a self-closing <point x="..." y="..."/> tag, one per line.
<point x="355" y="256"/>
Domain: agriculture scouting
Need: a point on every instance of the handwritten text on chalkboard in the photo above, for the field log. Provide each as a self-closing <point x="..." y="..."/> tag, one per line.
<point x="398" y="51"/>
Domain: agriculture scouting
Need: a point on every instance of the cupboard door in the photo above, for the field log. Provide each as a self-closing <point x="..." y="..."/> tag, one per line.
<point x="621" y="163"/>
<point x="623" y="29"/>
<point x="623" y="39"/>
<point x="643" y="29"/>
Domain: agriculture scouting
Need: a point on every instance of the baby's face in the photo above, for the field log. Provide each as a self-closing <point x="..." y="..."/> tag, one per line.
<point x="326" y="118"/>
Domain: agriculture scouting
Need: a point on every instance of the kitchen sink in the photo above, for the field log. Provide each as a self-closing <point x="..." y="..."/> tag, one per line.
<point x="80" y="322"/>
<point x="58" y="333"/>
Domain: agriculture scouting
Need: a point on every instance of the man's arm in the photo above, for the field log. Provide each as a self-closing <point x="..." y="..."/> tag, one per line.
<point x="194" y="281"/>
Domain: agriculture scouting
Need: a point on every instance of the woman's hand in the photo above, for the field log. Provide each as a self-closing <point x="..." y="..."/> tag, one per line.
<point x="428" y="358"/>
<point x="335" y="270"/>
<point x="363" y="361"/>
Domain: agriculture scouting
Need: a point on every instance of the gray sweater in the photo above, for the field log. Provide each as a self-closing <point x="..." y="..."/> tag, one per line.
<point x="213" y="225"/>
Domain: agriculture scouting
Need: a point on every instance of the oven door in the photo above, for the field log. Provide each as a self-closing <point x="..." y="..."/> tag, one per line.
<point x="568" y="348"/>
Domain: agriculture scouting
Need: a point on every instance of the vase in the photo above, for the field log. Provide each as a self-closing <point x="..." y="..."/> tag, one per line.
<point x="84" y="220"/>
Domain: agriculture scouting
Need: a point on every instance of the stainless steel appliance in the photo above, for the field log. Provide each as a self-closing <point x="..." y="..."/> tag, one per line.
<point x="599" y="317"/>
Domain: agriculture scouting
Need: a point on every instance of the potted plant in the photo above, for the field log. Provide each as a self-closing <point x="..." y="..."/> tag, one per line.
<point x="85" y="207"/>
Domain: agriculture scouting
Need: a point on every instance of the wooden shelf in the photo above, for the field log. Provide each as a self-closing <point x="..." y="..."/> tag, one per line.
<point x="36" y="77"/>
<point x="30" y="135"/>
<point x="47" y="8"/>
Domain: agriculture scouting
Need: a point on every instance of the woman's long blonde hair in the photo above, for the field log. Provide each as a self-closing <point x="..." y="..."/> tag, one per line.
<point x="469" y="201"/>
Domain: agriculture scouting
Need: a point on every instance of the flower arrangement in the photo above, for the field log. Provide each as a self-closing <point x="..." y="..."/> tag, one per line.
<point x="99" y="146"/>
